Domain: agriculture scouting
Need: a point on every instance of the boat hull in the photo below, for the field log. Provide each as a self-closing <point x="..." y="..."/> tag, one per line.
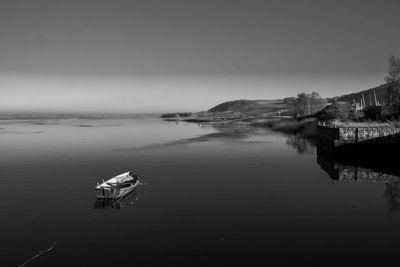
<point x="115" y="193"/>
<point x="117" y="203"/>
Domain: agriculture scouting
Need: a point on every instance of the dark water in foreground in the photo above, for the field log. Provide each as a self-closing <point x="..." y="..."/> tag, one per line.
<point x="213" y="197"/>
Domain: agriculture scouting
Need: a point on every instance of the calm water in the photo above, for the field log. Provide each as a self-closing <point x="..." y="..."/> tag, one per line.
<point x="212" y="197"/>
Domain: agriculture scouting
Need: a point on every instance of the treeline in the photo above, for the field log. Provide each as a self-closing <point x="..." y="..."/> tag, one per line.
<point x="305" y="104"/>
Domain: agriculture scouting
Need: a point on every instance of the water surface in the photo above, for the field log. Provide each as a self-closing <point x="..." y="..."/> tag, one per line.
<point x="212" y="196"/>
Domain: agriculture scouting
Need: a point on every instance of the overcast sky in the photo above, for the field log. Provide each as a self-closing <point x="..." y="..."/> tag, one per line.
<point x="166" y="55"/>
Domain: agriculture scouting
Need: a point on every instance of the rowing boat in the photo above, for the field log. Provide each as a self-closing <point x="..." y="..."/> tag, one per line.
<point x="117" y="186"/>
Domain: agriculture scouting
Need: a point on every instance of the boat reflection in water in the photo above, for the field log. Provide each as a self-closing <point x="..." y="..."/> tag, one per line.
<point x="119" y="203"/>
<point x="376" y="168"/>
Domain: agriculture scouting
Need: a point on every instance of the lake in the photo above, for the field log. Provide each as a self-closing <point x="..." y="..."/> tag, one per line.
<point x="210" y="196"/>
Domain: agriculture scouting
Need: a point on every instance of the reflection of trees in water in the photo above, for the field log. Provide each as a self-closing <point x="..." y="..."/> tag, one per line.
<point x="301" y="145"/>
<point x="392" y="196"/>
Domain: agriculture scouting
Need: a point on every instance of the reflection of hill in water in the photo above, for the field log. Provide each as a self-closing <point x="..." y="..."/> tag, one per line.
<point x="360" y="168"/>
<point x="128" y="200"/>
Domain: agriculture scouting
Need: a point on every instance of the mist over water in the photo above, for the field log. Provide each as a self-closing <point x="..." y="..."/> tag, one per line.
<point x="212" y="196"/>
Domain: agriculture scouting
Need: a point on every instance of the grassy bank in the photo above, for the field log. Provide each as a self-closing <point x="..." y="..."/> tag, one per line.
<point x="305" y="128"/>
<point x="308" y="127"/>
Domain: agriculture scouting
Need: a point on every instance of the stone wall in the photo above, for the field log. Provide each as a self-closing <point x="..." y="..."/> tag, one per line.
<point x="358" y="134"/>
<point x="367" y="133"/>
<point x="329" y="133"/>
<point x="349" y="135"/>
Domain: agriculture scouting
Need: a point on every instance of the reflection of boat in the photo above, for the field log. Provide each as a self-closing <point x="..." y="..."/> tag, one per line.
<point x="112" y="203"/>
<point x="117" y="186"/>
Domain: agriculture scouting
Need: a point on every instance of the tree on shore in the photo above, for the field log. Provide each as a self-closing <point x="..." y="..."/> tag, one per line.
<point x="392" y="96"/>
<point x="307" y="104"/>
<point x="393" y="72"/>
<point x="393" y="76"/>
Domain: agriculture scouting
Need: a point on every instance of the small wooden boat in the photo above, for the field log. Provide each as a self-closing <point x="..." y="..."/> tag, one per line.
<point x="118" y="203"/>
<point x="117" y="186"/>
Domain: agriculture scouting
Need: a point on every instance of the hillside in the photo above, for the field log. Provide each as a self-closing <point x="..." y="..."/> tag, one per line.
<point x="380" y="92"/>
<point x="265" y="108"/>
<point x="250" y="107"/>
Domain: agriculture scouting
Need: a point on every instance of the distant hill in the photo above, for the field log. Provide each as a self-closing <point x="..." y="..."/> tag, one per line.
<point x="244" y="107"/>
<point x="250" y="107"/>
<point x="380" y="92"/>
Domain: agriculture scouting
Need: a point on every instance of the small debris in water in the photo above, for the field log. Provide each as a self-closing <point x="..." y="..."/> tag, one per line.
<point x="40" y="253"/>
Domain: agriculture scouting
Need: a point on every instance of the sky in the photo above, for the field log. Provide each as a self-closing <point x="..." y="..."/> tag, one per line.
<point x="168" y="55"/>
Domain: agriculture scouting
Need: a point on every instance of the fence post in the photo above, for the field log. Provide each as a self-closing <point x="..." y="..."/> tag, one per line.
<point x="356" y="135"/>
